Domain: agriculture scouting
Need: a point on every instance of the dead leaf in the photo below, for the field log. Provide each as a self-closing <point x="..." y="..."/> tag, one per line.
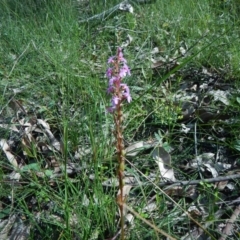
<point x="20" y="230"/>
<point x="163" y="159"/>
<point x="127" y="42"/>
<point x="6" y="225"/>
<point x="200" y="159"/>
<point x="219" y="95"/>
<point x="211" y="169"/>
<point x="221" y="185"/>
<point x="6" y="149"/>
<point x="126" y="190"/>
<point x="54" y="142"/>
<point x="9" y="127"/>
<point x="124" y="6"/>
<point x="175" y="191"/>
<point x="130" y="218"/>
<point x="135" y="148"/>
<point x="150" y="207"/>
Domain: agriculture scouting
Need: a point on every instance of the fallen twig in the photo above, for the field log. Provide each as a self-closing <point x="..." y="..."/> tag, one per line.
<point x="196" y="182"/>
<point x="171" y="184"/>
<point x="229" y="226"/>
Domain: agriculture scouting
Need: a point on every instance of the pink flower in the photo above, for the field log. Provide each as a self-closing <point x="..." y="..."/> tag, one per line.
<point x="111" y="59"/>
<point x="120" y="56"/>
<point x="110" y="89"/>
<point x="119" y="91"/>
<point x="114" y="80"/>
<point x="109" y="72"/>
<point x="110" y="109"/>
<point x="115" y="102"/>
<point x="126" y="92"/>
<point x="124" y="71"/>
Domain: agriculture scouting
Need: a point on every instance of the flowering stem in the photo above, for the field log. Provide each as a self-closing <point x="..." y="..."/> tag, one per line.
<point x="119" y="92"/>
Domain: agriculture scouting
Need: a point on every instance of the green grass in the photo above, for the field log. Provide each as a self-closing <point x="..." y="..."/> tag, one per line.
<point x="59" y="65"/>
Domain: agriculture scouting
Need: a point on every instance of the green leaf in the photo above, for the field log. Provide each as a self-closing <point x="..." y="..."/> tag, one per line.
<point x="237" y="145"/>
<point x="166" y="147"/>
<point x="32" y="166"/>
<point x="48" y="173"/>
<point x="238" y="99"/>
<point x="5" y="212"/>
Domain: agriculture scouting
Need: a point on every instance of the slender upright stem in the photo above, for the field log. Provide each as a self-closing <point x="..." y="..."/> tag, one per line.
<point x="120" y="156"/>
<point x="120" y="92"/>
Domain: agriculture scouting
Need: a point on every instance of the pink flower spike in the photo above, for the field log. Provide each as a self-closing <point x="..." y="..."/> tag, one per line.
<point x="118" y="90"/>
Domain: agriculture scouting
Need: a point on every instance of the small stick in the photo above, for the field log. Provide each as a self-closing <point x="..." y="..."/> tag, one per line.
<point x="229" y="226"/>
<point x="196" y="182"/>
